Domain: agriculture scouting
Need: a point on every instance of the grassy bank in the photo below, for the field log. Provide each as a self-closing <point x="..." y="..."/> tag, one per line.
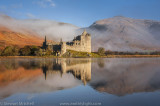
<point x="108" y="56"/>
<point x="130" y="56"/>
<point x="75" y="54"/>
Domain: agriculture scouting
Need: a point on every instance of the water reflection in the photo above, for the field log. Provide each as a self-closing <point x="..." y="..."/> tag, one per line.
<point x="119" y="77"/>
<point x="42" y="75"/>
<point x="81" y="69"/>
<point x="126" y="76"/>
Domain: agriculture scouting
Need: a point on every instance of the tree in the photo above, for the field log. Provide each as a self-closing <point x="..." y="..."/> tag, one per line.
<point x="101" y="63"/>
<point x="101" y="51"/>
<point x="39" y="52"/>
<point x="10" y="51"/>
<point x="34" y="50"/>
<point x="26" y="51"/>
<point x="49" y="52"/>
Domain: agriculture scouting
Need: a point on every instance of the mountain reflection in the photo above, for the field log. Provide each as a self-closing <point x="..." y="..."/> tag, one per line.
<point x="126" y="76"/>
<point x="114" y="76"/>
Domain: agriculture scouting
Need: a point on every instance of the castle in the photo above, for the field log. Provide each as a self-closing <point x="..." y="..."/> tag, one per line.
<point x="80" y="43"/>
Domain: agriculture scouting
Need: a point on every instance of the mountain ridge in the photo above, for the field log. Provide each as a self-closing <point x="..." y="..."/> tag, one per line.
<point x="117" y="34"/>
<point x="126" y="34"/>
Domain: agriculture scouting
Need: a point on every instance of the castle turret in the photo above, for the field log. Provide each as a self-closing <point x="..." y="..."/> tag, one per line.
<point x="45" y="43"/>
<point x="63" y="48"/>
<point x="61" y="40"/>
<point x="84" y="32"/>
<point x="45" y="40"/>
<point x="86" y="41"/>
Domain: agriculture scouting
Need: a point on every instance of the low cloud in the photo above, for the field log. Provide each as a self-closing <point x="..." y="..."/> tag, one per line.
<point x="52" y="29"/>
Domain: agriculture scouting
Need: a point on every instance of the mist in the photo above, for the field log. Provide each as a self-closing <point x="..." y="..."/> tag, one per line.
<point x="52" y="29"/>
<point x="115" y="34"/>
<point x="125" y="34"/>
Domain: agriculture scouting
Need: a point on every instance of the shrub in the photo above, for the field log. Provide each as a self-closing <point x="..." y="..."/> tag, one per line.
<point x="34" y="50"/>
<point x="26" y="51"/>
<point x="10" y="51"/>
<point x="101" y="51"/>
<point x="39" y="52"/>
<point x="49" y="52"/>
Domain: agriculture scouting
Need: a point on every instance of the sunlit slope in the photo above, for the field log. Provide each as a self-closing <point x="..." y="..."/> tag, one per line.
<point x="9" y="37"/>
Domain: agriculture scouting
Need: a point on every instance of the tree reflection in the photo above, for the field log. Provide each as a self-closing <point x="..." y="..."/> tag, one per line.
<point x="101" y="63"/>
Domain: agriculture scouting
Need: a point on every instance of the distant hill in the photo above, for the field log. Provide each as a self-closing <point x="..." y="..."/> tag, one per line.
<point x="117" y="33"/>
<point x="32" y="31"/>
<point x="9" y="37"/>
<point x="125" y="34"/>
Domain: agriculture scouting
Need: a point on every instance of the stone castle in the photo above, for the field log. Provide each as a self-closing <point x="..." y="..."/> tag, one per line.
<point x="80" y="43"/>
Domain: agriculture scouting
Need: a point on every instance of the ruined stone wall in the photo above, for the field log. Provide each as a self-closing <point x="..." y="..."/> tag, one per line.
<point x="80" y="43"/>
<point x="84" y="45"/>
<point x="63" y="47"/>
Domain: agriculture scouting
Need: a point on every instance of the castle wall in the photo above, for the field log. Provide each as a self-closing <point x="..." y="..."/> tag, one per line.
<point x="80" y="43"/>
<point x="83" y="45"/>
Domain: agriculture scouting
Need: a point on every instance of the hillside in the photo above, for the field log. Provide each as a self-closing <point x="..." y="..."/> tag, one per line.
<point x="116" y="34"/>
<point x="52" y="29"/>
<point x="125" y="34"/>
<point x="9" y="37"/>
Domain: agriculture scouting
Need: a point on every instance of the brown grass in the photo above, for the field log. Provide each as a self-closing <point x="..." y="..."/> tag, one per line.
<point x="14" y="38"/>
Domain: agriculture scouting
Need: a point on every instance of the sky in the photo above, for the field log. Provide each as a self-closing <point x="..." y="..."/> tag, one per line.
<point x="81" y="13"/>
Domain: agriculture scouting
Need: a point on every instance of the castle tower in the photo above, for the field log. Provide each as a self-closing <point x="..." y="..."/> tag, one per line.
<point x="45" y="39"/>
<point x="61" y="40"/>
<point x="45" y="43"/>
<point x="84" y="32"/>
<point x="86" y="41"/>
<point x="63" y="47"/>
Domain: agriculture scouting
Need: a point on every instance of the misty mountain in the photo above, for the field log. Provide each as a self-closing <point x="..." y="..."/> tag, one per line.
<point x="52" y="29"/>
<point x="117" y="33"/>
<point x="125" y="34"/>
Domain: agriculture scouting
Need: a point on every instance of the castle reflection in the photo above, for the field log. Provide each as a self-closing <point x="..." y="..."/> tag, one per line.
<point x="115" y="76"/>
<point x="81" y="69"/>
<point x="42" y="75"/>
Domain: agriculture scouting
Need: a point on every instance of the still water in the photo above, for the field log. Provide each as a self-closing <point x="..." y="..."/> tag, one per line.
<point x="80" y="82"/>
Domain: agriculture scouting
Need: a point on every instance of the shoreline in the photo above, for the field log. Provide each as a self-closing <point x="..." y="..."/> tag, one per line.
<point x="108" y="56"/>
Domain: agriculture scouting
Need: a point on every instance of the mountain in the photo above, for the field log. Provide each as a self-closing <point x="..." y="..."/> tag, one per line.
<point x="9" y="37"/>
<point x="125" y="34"/>
<point x="32" y="31"/>
<point x="20" y="37"/>
<point x="118" y="33"/>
